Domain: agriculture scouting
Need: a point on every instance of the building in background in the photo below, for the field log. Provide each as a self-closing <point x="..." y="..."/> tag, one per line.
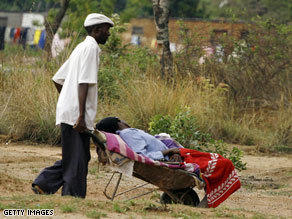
<point x="21" y="28"/>
<point x="142" y="31"/>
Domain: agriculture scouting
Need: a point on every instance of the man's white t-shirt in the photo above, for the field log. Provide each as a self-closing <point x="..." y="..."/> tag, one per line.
<point x="81" y="67"/>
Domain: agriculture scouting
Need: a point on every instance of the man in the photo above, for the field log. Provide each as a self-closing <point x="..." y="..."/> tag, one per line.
<point x="76" y="81"/>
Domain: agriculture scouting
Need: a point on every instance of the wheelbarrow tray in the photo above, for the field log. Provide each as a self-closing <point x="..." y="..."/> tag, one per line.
<point x="163" y="177"/>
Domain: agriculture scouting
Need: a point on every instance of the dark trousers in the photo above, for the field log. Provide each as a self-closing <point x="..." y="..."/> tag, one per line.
<point x="71" y="171"/>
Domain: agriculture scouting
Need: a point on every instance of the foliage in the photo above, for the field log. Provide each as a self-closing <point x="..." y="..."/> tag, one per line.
<point x="115" y="54"/>
<point x="65" y="208"/>
<point x="243" y="98"/>
<point x="235" y="155"/>
<point x="248" y="9"/>
<point x="184" y="129"/>
<point x="95" y="214"/>
<point x="257" y="66"/>
<point x="107" y="7"/>
<point x="136" y="8"/>
<point x="27" y="5"/>
<point x="214" y="9"/>
<point x="114" y="45"/>
<point x="186" y="9"/>
<point x="117" y="68"/>
<point x="76" y="14"/>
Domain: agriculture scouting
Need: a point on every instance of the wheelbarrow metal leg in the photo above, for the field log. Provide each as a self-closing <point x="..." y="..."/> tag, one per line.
<point x="173" y="196"/>
<point x="116" y="187"/>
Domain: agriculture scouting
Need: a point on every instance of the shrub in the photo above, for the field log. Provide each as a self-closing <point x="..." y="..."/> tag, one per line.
<point x="257" y="66"/>
<point x="184" y="129"/>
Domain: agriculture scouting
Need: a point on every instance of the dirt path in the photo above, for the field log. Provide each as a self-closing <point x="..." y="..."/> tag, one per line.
<point x="266" y="188"/>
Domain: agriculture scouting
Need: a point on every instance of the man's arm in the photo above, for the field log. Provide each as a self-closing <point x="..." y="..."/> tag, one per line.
<point x="58" y="86"/>
<point x="174" y="154"/>
<point x="171" y="151"/>
<point x="80" y="125"/>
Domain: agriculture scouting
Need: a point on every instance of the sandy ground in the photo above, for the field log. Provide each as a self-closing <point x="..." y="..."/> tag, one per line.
<point x="266" y="185"/>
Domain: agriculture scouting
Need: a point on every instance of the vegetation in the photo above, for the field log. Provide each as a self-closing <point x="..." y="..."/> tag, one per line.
<point x="184" y="128"/>
<point x="240" y="95"/>
<point x="247" y="10"/>
<point x="93" y="208"/>
<point x="212" y="9"/>
<point x="27" y="5"/>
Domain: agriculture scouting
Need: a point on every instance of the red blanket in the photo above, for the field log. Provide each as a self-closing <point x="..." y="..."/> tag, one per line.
<point x="218" y="172"/>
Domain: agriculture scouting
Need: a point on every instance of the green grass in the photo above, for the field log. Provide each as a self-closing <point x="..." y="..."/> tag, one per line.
<point x="187" y="215"/>
<point x="2" y="206"/>
<point x="95" y="214"/>
<point x="117" y="208"/>
<point x="93" y="170"/>
<point x="140" y="208"/>
<point x="47" y="205"/>
<point x="68" y="208"/>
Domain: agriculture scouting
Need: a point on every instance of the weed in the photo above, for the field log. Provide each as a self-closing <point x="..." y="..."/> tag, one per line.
<point x="155" y="195"/>
<point x="34" y="170"/>
<point x="66" y="208"/>
<point x="93" y="170"/>
<point x="95" y="214"/>
<point x="117" y="208"/>
<point x="49" y="205"/>
<point x="259" y="216"/>
<point x="2" y="206"/>
<point x="131" y="203"/>
<point x="225" y="213"/>
<point x="187" y="215"/>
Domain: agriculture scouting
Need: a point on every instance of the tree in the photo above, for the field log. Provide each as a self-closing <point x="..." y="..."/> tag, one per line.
<point x="21" y="5"/>
<point x="161" y="16"/>
<point x="181" y="8"/>
<point x="52" y="27"/>
<point x="107" y="7"/>
<point x="248" y="9"/>
<point x="185" y="9"/>
<point x="137" y="8"/>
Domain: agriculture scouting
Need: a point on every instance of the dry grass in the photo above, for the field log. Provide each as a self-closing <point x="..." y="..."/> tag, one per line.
<point x="28" y="101"/>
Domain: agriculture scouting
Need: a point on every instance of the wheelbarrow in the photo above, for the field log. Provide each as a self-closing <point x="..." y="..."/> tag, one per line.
<point x="177" y="184"/>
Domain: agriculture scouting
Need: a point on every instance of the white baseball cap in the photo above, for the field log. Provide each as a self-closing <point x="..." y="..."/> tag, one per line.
<point x="95" y="18"/>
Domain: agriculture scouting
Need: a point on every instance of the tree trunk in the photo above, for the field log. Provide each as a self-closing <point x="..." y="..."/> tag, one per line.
<point x="51" y="28"/>
<point x="161" y="16"/>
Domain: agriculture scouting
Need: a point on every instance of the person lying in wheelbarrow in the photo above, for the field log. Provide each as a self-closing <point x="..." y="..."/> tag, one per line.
<point x="138" y="140"/>
<point x="218" y="172"/>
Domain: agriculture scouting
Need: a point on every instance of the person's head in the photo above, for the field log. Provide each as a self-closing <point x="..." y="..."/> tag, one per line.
<point x="111" y="125"/>
<point x="98" y="26"/>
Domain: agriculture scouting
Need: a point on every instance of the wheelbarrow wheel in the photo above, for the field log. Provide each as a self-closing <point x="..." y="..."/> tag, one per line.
<point x="190" y="198"/>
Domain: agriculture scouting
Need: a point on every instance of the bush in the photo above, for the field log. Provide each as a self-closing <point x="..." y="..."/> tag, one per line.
<point x="184" y="129"/>
<point x="256" y="67"/>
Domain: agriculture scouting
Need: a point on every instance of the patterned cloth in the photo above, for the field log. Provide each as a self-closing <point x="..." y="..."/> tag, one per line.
<point x="168" y="141"/>
<point x="218" y="172"/>
<point x="116" y="144"/>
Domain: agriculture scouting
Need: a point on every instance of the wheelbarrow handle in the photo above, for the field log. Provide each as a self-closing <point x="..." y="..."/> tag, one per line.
<point x="95" y="138"/>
